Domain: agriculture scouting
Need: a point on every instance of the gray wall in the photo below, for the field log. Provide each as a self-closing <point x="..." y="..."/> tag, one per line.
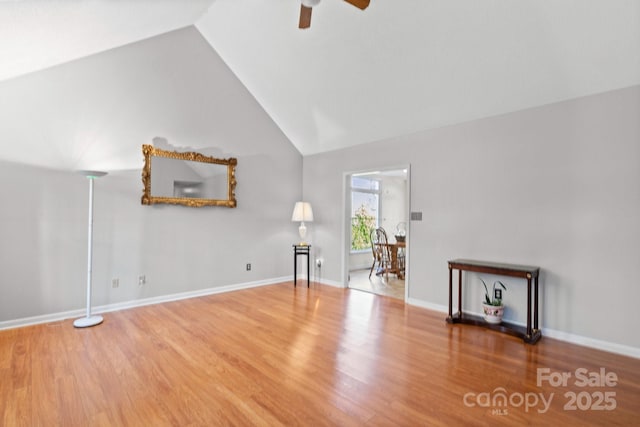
<point x="174" y="87"/>
<point x="556" y="186"/>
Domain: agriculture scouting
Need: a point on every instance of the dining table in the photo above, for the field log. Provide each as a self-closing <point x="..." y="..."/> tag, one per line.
<point x="396" y="267"/>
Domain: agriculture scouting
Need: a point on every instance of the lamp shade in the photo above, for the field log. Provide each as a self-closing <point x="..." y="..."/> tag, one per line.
<point x="302" y="212"/>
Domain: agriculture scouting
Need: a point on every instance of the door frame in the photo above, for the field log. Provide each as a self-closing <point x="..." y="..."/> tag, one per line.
<point x="346" y="222"/>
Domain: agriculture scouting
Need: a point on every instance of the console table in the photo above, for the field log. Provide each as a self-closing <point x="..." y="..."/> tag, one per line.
<point x="531" y="334"/>
<point x="300" y="250"/>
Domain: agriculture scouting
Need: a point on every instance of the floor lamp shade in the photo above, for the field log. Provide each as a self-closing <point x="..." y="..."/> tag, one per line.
<point x="89" y="320"/>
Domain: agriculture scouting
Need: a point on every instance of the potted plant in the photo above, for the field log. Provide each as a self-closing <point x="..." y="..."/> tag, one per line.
<point x="492" y="305"/>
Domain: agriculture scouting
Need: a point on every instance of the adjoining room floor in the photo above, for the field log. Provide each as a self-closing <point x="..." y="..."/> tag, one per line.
<point x="393" y="287"/>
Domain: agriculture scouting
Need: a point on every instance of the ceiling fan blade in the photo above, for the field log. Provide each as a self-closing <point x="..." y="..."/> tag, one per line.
<point x="305" y="17"/>
<point x="360" y="4"/>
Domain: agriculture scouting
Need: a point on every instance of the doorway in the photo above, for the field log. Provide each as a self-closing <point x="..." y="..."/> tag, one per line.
<point x="376" y="198"/>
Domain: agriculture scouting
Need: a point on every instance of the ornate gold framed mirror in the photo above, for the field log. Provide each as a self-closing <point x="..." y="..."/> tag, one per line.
<point x="188" y="179"/>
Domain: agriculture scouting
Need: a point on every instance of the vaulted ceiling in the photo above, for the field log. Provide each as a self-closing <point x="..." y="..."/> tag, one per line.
<point x="398" y="67"/>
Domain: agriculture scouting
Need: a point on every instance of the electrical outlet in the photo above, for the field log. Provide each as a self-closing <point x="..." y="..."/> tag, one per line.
<point x="248" y="266"/>
<point x="319" y="262"/>
<point x="142" y="280"/>
<point x="115" y="283"/>
<point x="498" y="294"/>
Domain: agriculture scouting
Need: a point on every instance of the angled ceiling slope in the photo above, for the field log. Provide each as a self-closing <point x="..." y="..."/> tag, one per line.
<point x="407" y="65"/>
<point x="36" y="34"/>
<point x="356" y="76"/>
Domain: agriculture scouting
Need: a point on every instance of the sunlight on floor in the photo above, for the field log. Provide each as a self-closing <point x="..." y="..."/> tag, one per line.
<point x="393" y="287"/>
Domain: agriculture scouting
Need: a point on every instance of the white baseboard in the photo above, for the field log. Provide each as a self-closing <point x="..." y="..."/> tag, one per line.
<point x="55" y="317"/>
<point x="611" y="347"/>
<point x="428" y="305"/>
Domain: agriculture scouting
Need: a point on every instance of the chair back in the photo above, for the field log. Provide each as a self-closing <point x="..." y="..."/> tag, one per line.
<point x="373" y="238"/>
<point x="380" y="244"/>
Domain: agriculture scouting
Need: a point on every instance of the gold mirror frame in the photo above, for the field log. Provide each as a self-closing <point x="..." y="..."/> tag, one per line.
<point x="148" y="199"/>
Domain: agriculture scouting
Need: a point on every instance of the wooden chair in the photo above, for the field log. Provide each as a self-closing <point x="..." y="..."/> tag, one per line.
<point x="381" y="252"/>
<point x="400" y="235"/>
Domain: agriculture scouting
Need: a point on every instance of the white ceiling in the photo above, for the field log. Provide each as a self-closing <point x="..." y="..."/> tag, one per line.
<point x="37" y="34"/>
<point x="398" y="67"/>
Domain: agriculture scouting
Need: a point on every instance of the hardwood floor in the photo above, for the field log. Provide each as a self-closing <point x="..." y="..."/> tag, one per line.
<point x="276" y="355"/>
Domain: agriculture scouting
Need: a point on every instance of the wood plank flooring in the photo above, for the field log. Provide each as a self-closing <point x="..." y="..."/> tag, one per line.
<point x="323" y="356"/>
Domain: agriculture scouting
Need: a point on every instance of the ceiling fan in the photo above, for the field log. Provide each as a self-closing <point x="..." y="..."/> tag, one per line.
<point x="307" y="5"/>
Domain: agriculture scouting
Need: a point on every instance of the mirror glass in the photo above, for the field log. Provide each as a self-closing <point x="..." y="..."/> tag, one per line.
<point x="189" y="179"/>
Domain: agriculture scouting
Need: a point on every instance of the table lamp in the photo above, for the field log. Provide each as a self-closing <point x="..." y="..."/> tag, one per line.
<point x="302" y="212"/>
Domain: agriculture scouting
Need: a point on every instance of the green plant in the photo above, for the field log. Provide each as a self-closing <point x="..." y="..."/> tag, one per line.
<point x="361" y="227"/>
<point x="491" y="299"/>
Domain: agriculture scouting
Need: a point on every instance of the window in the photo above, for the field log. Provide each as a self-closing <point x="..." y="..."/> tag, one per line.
<point x="365" y="206"/>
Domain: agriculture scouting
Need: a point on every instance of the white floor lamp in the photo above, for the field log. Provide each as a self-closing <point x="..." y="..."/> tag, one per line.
<point x="89" y="320"/>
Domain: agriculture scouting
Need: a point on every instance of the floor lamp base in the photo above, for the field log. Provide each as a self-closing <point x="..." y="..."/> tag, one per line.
<point x="85" y="322"/>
